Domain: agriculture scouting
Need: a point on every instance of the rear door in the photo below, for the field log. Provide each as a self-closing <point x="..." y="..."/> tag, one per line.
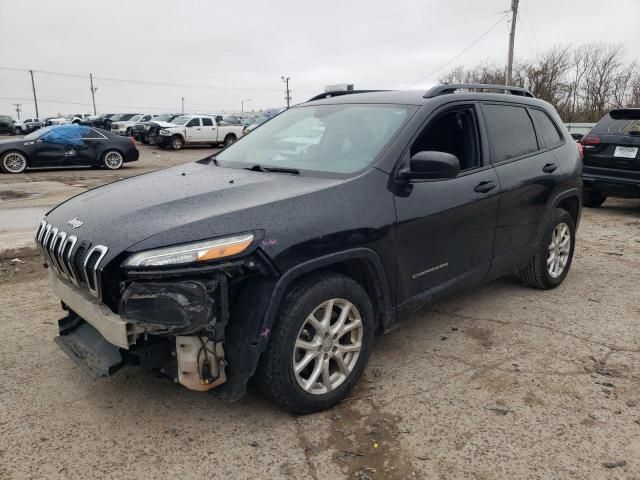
<point x="209" y="130"/>
<point x="528" y="172"/>
<point x="612" y="148"/>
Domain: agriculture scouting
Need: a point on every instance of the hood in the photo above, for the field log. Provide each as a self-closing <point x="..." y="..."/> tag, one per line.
<point x="181" y="204"/>
<point x="163" y="124"/>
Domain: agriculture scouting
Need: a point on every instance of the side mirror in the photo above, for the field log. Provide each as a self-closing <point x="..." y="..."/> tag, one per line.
<point x="433" y="165"/>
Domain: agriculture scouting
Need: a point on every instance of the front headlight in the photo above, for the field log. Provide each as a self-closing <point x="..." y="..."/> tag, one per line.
<point x="164" y="132"/>
<point x="191" y="252"/>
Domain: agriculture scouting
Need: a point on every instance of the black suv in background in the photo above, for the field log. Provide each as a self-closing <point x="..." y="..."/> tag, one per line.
<point x="6" y="124"/>
<point x="280" y="257"/>
<point x="612" y="158"/>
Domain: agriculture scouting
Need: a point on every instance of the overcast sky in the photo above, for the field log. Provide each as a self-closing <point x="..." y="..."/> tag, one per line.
<point x="218" y="53"/>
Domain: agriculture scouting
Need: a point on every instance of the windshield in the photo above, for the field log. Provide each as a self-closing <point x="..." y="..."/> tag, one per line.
<point x="621" y="123"/>
<point x="125" y="116"/>
<point x="37" y="134"/>
<point x="325" y="138"/>
<point x="163" y="118"/>
<point x="180" y="120"/>
<point x="116" y="117"/>
<point x="136" y="118"/>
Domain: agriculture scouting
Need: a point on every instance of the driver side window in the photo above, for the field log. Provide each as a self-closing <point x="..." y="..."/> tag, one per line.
<point x="454" y="131"/>
<point x="194" y="122"/>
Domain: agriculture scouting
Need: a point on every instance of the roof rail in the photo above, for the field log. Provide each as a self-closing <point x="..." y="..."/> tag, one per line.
<point x="337" y="93"/>
<point x="452" y="87"/>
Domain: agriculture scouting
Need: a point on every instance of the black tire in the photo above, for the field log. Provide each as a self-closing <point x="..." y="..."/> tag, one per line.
<point x="536" y="274"/>
<point x="144" y="142"/>
<point x="229" y="139"/>
<point x="593" y="199"/>
<point x="275" y="376"/>
<point x="177" y="142"/>
<point x="17" y="131"/>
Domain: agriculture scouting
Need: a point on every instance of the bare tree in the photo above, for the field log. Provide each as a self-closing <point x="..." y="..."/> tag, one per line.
<point x="583" y="82"/>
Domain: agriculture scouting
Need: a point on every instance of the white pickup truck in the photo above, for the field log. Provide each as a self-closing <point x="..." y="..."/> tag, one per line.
<point x="197" y="130"/>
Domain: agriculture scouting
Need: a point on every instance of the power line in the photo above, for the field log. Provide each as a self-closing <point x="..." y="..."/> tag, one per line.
<point x="320" y="34"/>
<point x="533" y="30"/>
<point x="462" y="52"/>
<point x="394" y="39"/>
<point x="526" y="35"/>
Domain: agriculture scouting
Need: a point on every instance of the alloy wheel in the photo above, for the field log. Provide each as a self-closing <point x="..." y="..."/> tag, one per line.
<point x="559" y="249"/>
<point x="327" y="346"/>
<point x="15" y="162"/>
<point x="113" y="160"/>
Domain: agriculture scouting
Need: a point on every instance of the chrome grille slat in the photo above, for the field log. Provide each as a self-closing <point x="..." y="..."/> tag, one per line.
<point x="59" y="251"/>
<point x="95" y="291"/>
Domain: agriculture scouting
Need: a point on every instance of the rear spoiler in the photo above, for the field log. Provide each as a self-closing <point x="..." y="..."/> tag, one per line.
<point x="625" y="114"/>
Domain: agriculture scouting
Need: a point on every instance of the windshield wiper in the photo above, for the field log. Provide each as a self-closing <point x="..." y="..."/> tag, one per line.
<point x="215" y="161"/>
<point x="260" y="168"/>
<point x="635" y="133"/>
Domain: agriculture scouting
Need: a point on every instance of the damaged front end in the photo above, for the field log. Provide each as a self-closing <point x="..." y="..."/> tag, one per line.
<point x="172" y="319"/>
<point x="175" y="327"/>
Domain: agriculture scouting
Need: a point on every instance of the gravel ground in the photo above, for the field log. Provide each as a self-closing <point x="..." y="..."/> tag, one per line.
<point x="503" y="382"/>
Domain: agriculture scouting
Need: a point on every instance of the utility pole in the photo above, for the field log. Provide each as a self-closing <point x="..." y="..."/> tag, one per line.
<point x="35" y="99"/>
<point x="182" y="104"/>
<point x="93" y="93"/>
<point x="287" y="95"/>
<point x="18" y="109"/>
<point x="512" y="37"/>
<point x="242" y="104"/>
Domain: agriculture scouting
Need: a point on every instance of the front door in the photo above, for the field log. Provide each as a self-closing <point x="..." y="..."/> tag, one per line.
<point x="446" y="227"/>
<point x="63" y="147"/>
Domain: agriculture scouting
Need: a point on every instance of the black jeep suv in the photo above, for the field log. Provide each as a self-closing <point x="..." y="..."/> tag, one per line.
<point x="611" y="158"/>
<point x="279" y="258"/>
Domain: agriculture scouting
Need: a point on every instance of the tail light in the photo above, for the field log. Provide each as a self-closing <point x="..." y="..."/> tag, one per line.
<point x="133" y="140"/>
<point x="580" y="149"/>
<point x="589" y="142"/>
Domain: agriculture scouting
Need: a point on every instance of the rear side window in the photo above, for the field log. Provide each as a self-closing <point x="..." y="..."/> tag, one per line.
<point x="546" y="128"/>
<point x="619" y="123"/>
<point x="207" y="122"/>
<point x="510" y="130"/>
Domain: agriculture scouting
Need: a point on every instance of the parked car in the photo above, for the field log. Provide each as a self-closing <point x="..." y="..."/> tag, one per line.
<point x="100" y="120"/>
<point x="67" y="119"/>
<point x="6" y="124"/>
<point x="254" y="124"/>
<point x="27" y="125"/>
<point x="197" y="130"/>
<point x="125" y="127"/>
<point x="280" y="257"/>
<point x="611" y="159"/>
<point x="120" y="117"/>
<point x="142" y="128"/>
<point x="66" y="146"/>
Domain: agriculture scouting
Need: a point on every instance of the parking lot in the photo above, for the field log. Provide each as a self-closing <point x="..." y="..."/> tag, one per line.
<point x="503" y="381"/>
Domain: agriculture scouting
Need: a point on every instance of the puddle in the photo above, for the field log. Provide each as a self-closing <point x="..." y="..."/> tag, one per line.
<point x="21" y="218"/>
<point x="15" y="194"/>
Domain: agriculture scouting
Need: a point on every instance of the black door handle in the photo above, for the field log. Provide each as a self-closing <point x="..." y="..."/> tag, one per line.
<point x="549" y="167"/>
<point x="484" y="187"/>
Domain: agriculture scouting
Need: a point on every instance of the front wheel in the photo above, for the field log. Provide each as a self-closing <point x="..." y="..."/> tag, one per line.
<point x="177" y="142"/>
<point x="13" y="162"/>
<point x="320" y="344"/>
<point x="113" y="160"/>
<point x="549" y="267"/>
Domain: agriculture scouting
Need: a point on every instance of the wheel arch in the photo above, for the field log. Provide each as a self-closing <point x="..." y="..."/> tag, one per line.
<point x="571" y="201"/>
<point x="255" y="311"/>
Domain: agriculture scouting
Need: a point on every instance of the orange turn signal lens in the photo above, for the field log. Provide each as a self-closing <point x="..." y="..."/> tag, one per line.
<point x="225" y="250"/>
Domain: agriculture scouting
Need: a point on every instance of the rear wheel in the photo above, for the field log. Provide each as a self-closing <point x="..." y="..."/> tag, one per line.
<point x="593" y="199"/>
<point x="112" y="160"/>
<point x="229" y="139"/>
<point x="13" y="162"/>
<point x="320" y="344"/>
<point x="549" y="267"/>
